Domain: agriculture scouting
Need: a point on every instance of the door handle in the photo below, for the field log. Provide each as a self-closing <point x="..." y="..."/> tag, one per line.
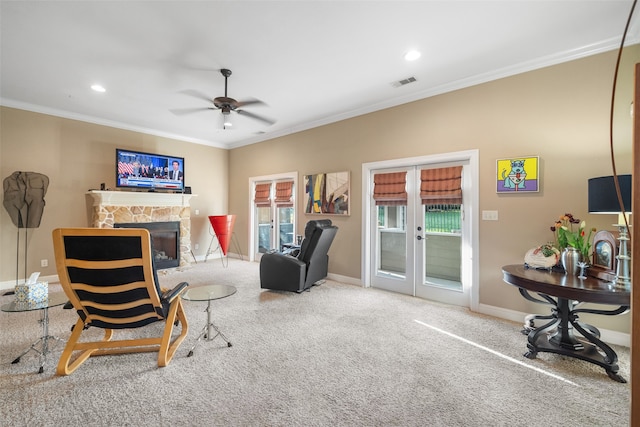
<point x="419" y="237"/>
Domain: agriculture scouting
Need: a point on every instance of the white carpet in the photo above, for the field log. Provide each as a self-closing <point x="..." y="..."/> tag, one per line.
<point x="337" y="355"/>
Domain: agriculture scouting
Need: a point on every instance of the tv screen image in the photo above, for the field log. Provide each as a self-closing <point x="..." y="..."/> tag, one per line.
<point x="147" y="171"/>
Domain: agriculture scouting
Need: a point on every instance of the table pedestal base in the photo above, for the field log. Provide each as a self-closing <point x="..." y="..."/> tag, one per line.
<point x="557" y="336"/>
<point x="209" y="332"/>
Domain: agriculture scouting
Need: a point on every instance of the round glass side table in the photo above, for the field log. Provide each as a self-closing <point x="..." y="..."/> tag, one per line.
<point x="209" y="293"/>
<point x="41" y="346"/>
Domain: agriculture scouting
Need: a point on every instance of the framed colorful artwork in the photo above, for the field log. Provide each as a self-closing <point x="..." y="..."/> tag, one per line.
<point x="517" y="175"/>
<point x="327" y="193"/>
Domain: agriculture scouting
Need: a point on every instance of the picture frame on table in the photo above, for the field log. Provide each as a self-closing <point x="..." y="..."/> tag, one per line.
<point x="603" y="261"/>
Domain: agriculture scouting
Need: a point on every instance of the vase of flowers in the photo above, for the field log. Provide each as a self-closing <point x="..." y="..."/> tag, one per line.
<point x="573" y="241"/>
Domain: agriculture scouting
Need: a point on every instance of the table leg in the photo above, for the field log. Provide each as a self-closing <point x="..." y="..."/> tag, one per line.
<point x="43" y="341"/>
<point x="208" y="331"/>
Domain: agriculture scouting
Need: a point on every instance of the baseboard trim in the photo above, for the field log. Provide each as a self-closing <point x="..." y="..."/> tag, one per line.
<point x="344" y="279"/>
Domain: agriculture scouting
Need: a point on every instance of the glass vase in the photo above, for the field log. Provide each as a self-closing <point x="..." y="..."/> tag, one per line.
<point x="570" y="258"/>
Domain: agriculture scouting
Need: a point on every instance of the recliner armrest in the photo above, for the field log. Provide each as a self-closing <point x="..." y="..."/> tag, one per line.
<point x="281" y="272"/>
<point x="170" y="294"/>
<point x="280" y="259"/>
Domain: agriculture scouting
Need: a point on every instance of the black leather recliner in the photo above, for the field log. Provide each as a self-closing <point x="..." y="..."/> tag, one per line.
<point x="283" y="272"/>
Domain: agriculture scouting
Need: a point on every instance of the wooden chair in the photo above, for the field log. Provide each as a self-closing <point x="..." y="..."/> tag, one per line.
<point x="109" y="278"/>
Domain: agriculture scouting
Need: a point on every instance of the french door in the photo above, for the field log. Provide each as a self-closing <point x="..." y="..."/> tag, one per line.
<point x="419" y="232"/>
<point x="273" y="213"/>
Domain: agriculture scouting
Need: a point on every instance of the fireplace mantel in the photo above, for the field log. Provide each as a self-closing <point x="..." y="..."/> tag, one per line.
<point x="135" y="198"/>
<point x="117" y="207"/>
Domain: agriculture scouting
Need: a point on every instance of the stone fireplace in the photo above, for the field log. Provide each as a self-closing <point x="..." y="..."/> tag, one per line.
<point x="127" y="207"/>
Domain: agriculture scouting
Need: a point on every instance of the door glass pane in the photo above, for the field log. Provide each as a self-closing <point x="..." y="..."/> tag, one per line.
<point x="263" y="214"/>
<point x="285" y="226"/>
<point x="392" y="241"/>
<point x="442" y="224"/>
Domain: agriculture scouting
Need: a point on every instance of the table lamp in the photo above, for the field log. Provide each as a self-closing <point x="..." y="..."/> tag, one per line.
<point x="603" y="199"/>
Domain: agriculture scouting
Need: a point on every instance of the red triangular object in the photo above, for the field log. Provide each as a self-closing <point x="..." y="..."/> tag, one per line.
<point x="223" y="227"/>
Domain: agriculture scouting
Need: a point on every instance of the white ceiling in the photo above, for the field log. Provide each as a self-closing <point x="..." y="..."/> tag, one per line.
<point x="311" y="62"/>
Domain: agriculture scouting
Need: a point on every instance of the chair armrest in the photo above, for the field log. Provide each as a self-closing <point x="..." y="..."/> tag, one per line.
<point x="170" y="294"/>
<point x="280" y="260"/>
<point x="282" y="272"/>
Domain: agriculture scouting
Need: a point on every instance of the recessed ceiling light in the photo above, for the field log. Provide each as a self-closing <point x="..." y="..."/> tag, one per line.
<point x="98" y="88"/>
<point x="412" y="55"/>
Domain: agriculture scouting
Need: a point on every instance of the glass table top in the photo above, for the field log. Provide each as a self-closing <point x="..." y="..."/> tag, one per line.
<point x="208" y="292"/>
<point x="55" y="299"/>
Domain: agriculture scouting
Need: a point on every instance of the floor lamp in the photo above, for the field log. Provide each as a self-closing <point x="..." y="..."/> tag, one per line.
<point x="603" y="199"/>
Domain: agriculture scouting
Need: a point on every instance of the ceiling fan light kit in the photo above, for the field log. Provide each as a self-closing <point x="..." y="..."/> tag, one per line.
<point x="226" y="119"/>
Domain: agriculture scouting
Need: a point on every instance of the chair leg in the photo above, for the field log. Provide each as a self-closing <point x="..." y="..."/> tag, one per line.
<point x="66" y="365"/>
<point x="165" y="347"/>
<point x="168" y="348"/>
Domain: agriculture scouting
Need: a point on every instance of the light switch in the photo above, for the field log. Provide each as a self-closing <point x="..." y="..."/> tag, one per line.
<point x="490" y="215"/>
<point x="197" y="211"/>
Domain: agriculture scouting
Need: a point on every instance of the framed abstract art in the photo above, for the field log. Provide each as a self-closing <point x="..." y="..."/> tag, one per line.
<point x="327" y="193"/>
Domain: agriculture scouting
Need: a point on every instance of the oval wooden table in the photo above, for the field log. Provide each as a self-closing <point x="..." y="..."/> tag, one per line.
<point x="565" y="293"/>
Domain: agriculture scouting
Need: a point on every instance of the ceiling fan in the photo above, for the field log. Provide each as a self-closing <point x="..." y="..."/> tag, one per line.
<point x="225" y="104"/>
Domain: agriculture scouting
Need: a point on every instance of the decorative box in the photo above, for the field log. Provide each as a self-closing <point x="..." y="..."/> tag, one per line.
<point x="32" y="293"/>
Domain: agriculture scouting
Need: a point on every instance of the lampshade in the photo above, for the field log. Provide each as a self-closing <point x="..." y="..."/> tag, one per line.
<point x="603" y="197"/>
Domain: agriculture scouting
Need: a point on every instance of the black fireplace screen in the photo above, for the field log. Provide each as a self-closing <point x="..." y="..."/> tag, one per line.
<point x="165" y="241"/>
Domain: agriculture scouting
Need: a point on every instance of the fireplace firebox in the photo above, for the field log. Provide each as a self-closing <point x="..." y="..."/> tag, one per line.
<point x="165" y="241"/>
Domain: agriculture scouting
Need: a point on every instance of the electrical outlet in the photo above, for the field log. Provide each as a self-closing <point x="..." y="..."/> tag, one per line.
<point x="196" y="246"/>
<point x="44" y="263"/>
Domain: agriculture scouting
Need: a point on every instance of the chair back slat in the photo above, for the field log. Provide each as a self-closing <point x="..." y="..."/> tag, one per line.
<point x="142" y="319"/>
<point x="104" y="289"/>
<point x="89" y="265"/>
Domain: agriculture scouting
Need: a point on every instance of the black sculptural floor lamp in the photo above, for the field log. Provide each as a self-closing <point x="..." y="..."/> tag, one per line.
<point x="603" y="199"/>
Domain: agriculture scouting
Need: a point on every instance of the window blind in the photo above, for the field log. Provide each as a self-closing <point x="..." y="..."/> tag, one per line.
<point x="263" y="195"/>
<point x="441" y="186"/>
<point x="284" y="194"/>
<point x="389" y="189"/>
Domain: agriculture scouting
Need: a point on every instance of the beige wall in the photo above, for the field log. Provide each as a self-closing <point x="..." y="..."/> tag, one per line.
<point x="559" y="113"/>
<point x="78" y="156"/>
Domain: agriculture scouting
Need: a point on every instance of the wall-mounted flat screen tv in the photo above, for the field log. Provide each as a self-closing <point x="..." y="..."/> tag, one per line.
<point x="147" y="171"/>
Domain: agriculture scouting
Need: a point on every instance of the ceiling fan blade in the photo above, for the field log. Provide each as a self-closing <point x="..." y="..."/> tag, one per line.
<point x="250" y="101"/>
<point x="255" y="116"/>
<point x="183" y="111"/>
<point x="197" y="94"/>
